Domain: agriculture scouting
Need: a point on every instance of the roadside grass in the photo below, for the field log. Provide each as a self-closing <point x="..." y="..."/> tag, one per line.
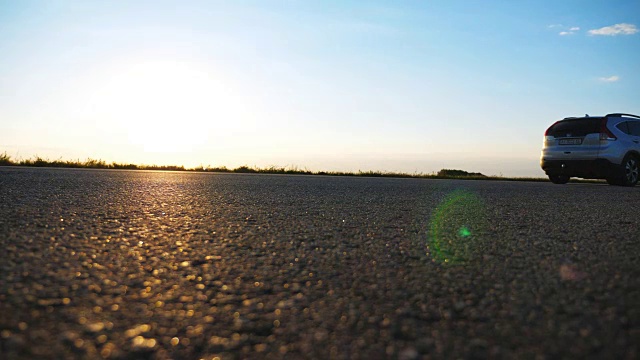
<point x="37" y="161"/>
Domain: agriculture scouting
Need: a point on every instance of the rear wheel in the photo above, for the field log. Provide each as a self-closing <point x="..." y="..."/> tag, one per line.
<point x="559" y="179"/>
<point x="631" y="171"/>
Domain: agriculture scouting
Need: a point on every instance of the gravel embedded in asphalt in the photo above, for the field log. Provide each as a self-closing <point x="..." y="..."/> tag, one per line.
<point x="142" y="264"/>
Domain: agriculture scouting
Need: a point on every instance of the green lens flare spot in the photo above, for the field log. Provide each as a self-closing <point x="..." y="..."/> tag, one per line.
<point x="459" y="215"/>
<point x="464" y="232"/>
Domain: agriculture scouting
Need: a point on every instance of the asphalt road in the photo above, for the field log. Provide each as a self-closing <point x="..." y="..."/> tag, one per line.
<point x="128" y="265"/>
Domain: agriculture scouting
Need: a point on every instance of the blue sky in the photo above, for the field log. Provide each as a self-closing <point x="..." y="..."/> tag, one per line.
<point x="412" y="86"/>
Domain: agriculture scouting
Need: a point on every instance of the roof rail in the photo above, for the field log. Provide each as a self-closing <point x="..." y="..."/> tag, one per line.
<point x="581" y="117"/>
<point x="622" y="114"/>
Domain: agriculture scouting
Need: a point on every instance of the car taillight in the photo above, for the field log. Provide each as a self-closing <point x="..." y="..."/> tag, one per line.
<point x="546" y="133"/>
<point x="605" y="133"/>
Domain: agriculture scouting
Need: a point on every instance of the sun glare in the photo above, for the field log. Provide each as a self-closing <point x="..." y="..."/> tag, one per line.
<point x="168" y="107"/>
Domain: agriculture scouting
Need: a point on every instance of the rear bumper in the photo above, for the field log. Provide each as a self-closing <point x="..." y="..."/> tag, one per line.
<point x="588" y="169"/>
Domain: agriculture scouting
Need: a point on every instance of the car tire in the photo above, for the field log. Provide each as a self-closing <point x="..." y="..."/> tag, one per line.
<point x="630" y="171"/>
<point x="559" y="179"/>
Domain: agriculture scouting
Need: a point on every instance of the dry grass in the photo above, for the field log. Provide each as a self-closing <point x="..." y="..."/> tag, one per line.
<point x="37" y="161"/>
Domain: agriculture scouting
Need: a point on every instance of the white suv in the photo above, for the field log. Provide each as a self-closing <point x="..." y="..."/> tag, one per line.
<point x="593" y="147"/>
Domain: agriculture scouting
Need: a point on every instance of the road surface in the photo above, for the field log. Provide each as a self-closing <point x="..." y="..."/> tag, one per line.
<point x="142" y="264"/>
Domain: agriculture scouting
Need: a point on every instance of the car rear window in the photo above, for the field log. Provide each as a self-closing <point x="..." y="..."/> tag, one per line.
<point x="575" y="127"/>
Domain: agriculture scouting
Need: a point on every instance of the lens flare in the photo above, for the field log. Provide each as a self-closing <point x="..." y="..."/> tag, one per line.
<point x="464" y="232"/>
<point x="455" y="228"/>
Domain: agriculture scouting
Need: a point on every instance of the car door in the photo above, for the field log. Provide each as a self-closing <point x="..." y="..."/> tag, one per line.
<point x="573" y="139"/>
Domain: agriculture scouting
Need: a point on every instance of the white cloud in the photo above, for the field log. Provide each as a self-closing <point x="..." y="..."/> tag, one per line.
<point x="609" y="79"/>
<point x="565" y="30"/>
<point x="617" y="29"/>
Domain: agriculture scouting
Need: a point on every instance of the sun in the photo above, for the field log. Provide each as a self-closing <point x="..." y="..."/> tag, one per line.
<point x="168" y="106"/>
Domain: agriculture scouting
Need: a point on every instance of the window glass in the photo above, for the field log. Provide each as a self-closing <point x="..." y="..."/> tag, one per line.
<point x="634" y="127"/>
<point x="623" y="126"/>
<point x="575" y="127"/>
